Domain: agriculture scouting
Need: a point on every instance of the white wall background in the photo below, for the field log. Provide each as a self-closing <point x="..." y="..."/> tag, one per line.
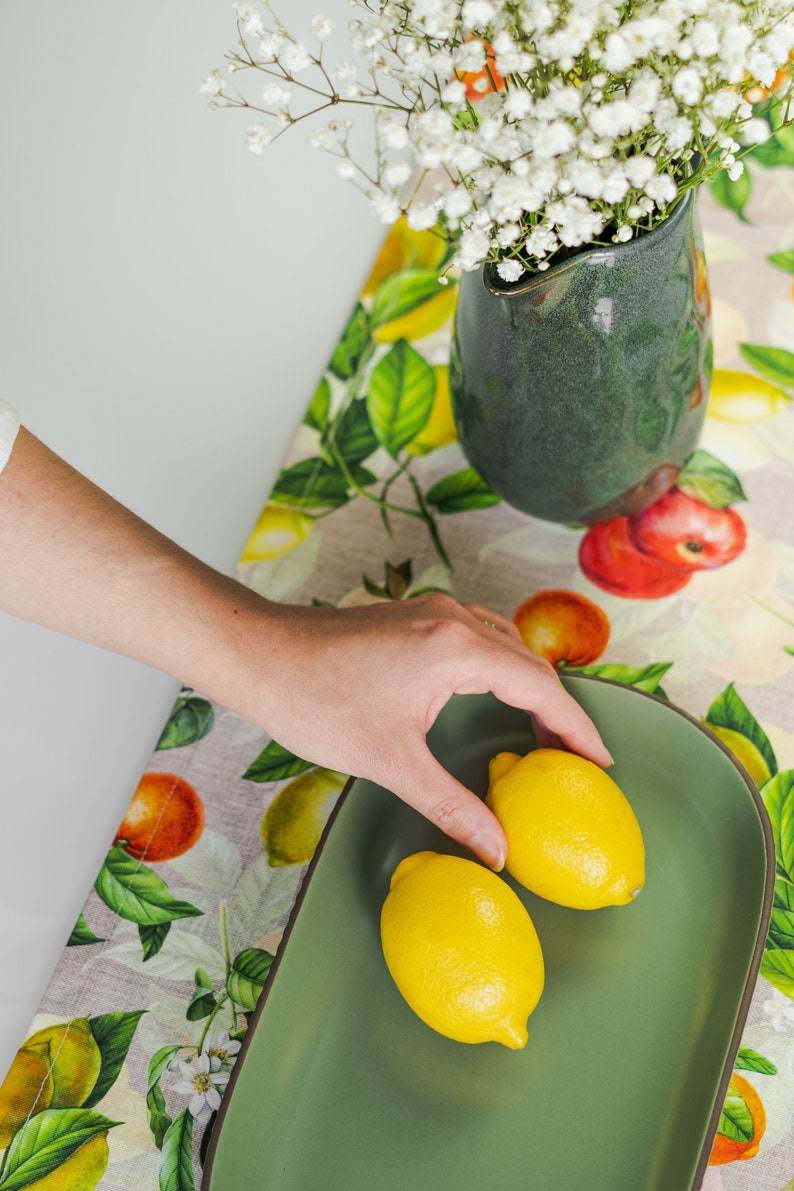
<point x="167" y="302"/>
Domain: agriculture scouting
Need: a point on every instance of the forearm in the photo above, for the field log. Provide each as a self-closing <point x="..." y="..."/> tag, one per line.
<point x="75" y="560"/>
<point x="354" y="689"/>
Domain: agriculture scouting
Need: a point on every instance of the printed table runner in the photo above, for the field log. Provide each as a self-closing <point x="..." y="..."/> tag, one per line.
<point x="142" y="1021"/>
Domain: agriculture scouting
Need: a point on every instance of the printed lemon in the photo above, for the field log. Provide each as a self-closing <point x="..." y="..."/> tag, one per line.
<point x="278" y="530"/>
<point x="74" y="1059"/>
<point x="462" y="949"/>
<point x="745" y="752"/>
<point x="294" y="821"/>
<point x="422" y="320"/>
<point x="82" y="1171"/>
<point x="572" y="836"/>
<point x="440" y="428"/>
<point x="736" y="396"/>
<point x="26" y="1090"/>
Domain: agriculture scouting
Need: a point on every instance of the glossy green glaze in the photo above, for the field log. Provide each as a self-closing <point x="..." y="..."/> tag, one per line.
<point x="579" y="393"/>
<point x="340" y="1086"/>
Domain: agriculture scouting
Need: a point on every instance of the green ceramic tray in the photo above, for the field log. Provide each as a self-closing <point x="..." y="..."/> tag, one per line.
<point x="340" y="1087"/>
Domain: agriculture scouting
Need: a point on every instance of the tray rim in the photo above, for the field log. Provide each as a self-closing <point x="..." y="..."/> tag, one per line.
<point x="749" y="986"/>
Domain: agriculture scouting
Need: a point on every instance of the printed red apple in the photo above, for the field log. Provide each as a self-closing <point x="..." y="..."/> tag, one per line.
<point x="686" y="533"/>
<point x="609" y="559"/>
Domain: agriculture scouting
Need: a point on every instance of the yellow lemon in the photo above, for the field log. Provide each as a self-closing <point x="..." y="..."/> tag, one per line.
<point x="294" y="821"/>
<point x="462" y="949"/>
<point x="745" y="752"/>
<point x="572" y="836"/>
<point x="422" y="320"/>
<point x="278" y="530"/>
<point x="741" y="397"/>
<point x="82" y="1171"/>
<point x="26" y="1090"/>
<point x="440" y="427"/>
<point x="74" y="1059"/>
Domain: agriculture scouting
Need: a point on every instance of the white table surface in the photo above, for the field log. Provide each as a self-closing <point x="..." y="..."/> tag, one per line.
<point x="157" y="282"/>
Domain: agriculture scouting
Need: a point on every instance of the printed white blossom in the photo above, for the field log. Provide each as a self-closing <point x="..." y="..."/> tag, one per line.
<point x="221" y="1051"/>
<point x="203" y="1085"/>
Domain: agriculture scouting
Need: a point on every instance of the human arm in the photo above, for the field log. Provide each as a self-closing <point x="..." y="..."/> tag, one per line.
<point x="353" y="689"/>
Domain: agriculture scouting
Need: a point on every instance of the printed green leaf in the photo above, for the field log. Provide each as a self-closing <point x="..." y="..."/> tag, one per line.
<point x="736" y="1120"/>
<point x="732" y="195"/>
<point x="317" y="414"/>
<point x="778" y="797"/>
<point x="781" y="930"/>
<point x="783" y="260"/>
<point x="159" y="1120"/>
<point x="113" y="1034"/>
<point x="202" y="1002"/>
<point x="777" y="967"/>
<point x="460" y="491"/>
<point x="750" y="1060"/>
<point x="46" y="1141"/>
<point x="729" y="711"/>
<point x="176" y="1158"/>
<point x="777" y="151"/>
<point x="190" y="720"/>
<point x="152" y="938"/>
<point x="709" y="480"/>
<point x="352" y="436"/>
<point x="401" y="391"/>
<point x="247" y="977"/>
<point x="402" y="292"/>
<point x="645" y="678"/>
<point x="158" y="1063"/>
<point x="275" y="763"/>
<point x="134" y="892"/>
<point x="311" y="484"/>
<point x="351" y="346"/>
<point x="784" y="894"/>
<point x="775" y="363"/>
<point x="82" y="934"/>
<point x="206" y="1138"/>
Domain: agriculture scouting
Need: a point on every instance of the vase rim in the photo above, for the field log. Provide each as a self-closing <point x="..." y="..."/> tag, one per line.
<point x="497" y="288"/>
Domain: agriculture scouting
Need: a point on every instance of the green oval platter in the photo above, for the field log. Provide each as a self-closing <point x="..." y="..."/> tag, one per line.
<point x="340" y="1087"/>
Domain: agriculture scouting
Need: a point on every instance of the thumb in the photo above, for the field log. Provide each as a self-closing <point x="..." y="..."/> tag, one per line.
<point x="453" y="808"/>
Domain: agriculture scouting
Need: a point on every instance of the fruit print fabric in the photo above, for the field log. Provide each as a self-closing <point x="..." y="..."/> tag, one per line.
<point x="374" y="502"/>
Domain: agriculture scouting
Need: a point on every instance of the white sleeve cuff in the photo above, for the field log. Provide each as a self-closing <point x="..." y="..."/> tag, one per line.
<point x="9" y="425"/>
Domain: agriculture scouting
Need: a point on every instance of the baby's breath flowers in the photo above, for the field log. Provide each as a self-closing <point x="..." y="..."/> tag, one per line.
<point x="523" y="129"/>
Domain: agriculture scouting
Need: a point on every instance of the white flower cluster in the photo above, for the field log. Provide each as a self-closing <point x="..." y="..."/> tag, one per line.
<point x="527" y="127"/>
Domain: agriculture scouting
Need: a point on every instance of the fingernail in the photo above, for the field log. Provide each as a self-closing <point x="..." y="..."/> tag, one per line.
<point x="486" y="847"/>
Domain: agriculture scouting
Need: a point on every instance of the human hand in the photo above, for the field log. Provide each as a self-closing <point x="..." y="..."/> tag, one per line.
<point x="358" y="689"/>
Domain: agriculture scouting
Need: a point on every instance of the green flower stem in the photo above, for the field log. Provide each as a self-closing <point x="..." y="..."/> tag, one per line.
<point x="216" y="1010"/>
<point x="772" y="611"/>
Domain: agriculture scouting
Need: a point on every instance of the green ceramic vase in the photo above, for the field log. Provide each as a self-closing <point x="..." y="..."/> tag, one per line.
<point x="579" y="393"/>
